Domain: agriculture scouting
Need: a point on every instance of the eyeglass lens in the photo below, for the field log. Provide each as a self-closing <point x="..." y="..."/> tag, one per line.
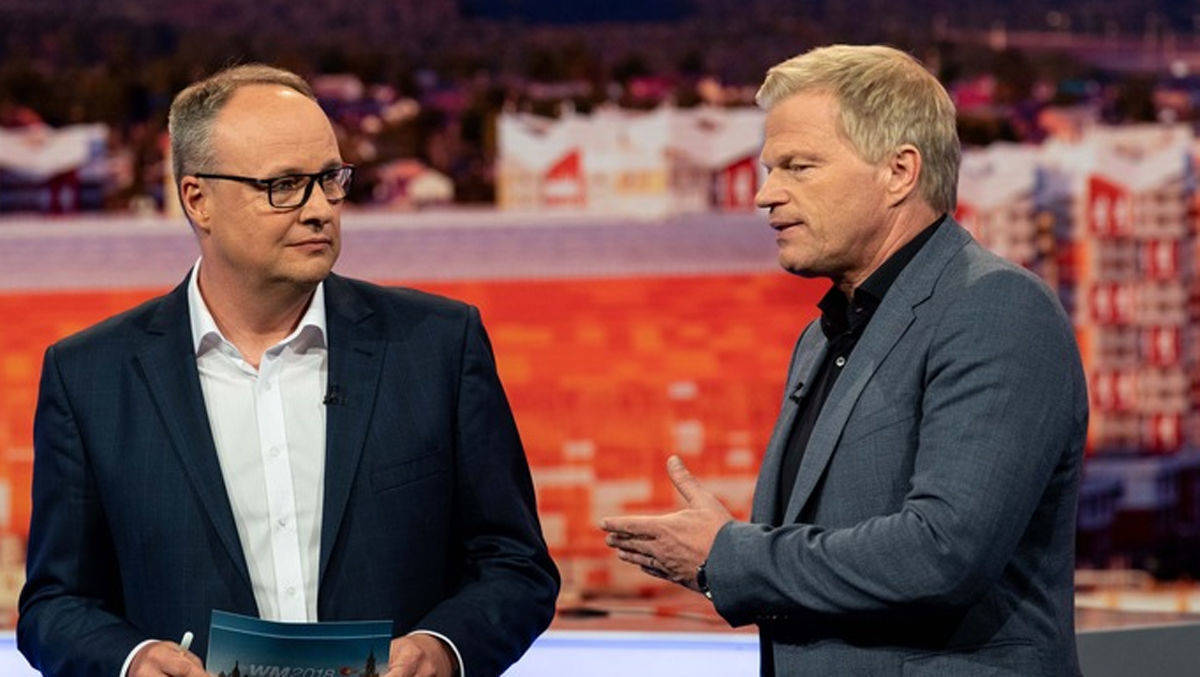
<point x="293" y="191"/>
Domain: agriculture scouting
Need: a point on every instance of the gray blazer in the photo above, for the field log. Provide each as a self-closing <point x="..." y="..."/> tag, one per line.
<point x="932" y="524"/>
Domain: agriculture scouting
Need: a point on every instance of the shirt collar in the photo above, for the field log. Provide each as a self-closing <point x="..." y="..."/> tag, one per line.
<point x="206" y="335"/>
<point x="881" y="280"/>
<point x="839" y="315"/>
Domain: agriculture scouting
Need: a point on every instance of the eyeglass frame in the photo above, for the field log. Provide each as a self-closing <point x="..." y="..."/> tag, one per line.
<point x="268" y="184"/>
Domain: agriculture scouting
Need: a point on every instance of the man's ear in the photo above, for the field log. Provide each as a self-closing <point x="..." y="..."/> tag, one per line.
<point x="195" y="202"/>
<point x="903" y="167"/>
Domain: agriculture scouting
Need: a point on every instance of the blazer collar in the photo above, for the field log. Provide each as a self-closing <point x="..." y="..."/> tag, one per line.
<point x="917" y="281"/>
<point x="356" y="356"/>
<point x="167" y="362"/>
<point x="809" y="352"/>
<point x="891" y="320"/>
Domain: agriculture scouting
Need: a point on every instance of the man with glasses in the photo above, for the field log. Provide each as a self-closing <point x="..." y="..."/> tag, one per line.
<point x="276" y="440"/>
<point x="291" y="191"/>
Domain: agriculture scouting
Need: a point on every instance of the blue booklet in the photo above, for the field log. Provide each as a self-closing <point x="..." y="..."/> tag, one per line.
<point x="241" y="646"/>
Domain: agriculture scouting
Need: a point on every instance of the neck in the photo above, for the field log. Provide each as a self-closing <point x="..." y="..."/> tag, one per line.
<point x="904" y="227"/>
<point x="253" y="317"/>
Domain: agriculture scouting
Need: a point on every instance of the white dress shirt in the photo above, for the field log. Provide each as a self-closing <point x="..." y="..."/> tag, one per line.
<point x="268" y="425"/>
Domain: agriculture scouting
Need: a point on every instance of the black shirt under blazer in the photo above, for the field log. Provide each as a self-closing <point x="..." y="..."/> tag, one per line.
<point x="931" y="527"/>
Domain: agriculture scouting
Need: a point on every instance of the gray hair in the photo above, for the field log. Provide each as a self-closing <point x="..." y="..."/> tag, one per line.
<point x="194" y="109"/>
<point x="886" y="99"/>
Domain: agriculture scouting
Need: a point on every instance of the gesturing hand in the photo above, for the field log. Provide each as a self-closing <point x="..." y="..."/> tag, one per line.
<point x="671" y="546"/>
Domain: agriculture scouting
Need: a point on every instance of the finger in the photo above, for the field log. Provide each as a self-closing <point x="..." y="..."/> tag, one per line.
<point x="176" y="665"/>
<point x="686" y="484"/>
<point x="407" y="670"/>
<point x="618" y="539"/>
<point x="639" y="547"/>
<point x="193" y="659"/>
<point x="404" y="655"/>
<point x="634" y="526"/>
<point x="640" y="559"/>
<point x="393" y="671"/>
<point x="657" y="573"/>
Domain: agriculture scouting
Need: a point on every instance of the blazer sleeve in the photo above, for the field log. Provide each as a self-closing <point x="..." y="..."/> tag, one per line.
<point x="70" y="622"/>
<point x="1003" y="406"/>
<point x="510" y="584"/>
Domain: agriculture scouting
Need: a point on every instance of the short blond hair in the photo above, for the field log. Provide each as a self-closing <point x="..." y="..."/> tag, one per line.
<point x="886" y="99"/>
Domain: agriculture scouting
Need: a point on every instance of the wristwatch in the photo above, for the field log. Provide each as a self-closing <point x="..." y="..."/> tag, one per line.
<point x="702" y="580"/>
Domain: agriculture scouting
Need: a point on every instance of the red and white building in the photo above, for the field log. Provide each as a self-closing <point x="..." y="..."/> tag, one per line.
<point x="650" y="164"/>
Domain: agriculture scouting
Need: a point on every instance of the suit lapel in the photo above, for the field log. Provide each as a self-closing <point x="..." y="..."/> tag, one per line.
<point x="893" y="317"/>
<point x="885" y="329"/>
<point x="168" y="364"/>
<point x="355" y="361"/>
<point x="810" y="350"/>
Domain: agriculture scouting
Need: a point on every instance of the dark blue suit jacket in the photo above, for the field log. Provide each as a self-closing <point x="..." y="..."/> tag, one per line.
<point x="429" y="517"/>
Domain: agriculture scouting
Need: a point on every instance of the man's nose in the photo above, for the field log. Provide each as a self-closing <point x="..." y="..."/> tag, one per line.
<point x="769" y="194"/>
<point x="318" y="210"/>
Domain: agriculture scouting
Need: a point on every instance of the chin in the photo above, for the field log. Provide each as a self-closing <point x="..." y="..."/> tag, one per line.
<point x="309" y="274"/>
<point x="804" y="272"/>
<point x="798" y="267"/>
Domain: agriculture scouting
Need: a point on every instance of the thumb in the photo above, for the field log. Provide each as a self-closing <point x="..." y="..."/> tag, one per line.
<point x="687" y="485"/>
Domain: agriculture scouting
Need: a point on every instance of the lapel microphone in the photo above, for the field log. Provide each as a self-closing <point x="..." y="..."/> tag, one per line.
<point x="333" y="397"/>
<point x="796" y="396"/>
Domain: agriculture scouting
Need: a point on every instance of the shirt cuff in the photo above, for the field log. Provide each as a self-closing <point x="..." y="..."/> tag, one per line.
<point x="462" y="671"/>
<point x="129" y="658"/>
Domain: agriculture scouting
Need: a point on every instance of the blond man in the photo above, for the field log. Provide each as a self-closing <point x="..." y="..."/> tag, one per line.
<point x="915" y="510"/>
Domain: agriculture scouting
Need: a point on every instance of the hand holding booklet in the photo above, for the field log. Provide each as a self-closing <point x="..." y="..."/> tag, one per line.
<point x="242" y="646"/>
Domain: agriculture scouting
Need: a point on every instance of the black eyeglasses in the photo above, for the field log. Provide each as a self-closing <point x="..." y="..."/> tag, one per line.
<point x="293" y="190"/>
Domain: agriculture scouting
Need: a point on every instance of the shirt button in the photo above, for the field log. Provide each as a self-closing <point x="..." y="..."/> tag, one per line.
<point x="840" y="361"/>
<point x="291" y="590"/>
<point x="266" y="386"/>
<point x="283" y="522"/>
<point x="273" y="452"/>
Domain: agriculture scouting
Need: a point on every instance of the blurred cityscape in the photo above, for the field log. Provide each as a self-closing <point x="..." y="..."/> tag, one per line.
<point x="418" y="86"/>
<point x="586" y="176"/>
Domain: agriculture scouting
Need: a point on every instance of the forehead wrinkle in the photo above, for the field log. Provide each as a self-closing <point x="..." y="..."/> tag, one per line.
<point x="291" y="158"/>
<point x="813" y="145"/>
<point x="782" y="148"/>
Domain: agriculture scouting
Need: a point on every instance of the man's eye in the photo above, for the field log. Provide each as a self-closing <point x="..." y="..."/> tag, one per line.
<point x="798" y="167"/>
<point x="288" y="183"/>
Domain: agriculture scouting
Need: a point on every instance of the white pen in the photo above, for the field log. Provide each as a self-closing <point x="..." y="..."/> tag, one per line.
<point x="186" y="642"/>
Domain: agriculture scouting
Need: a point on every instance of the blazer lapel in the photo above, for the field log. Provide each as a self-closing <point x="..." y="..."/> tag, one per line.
<point x="355" y="361"/>
<point x="886" y="327"/>
<point x="810" y="350"/>
<point x="893" y="317"/>
<point x="168" y="364"/>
